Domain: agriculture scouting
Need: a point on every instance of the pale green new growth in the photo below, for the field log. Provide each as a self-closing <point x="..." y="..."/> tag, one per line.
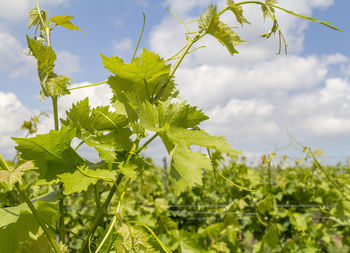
<point x="65" y="21"/>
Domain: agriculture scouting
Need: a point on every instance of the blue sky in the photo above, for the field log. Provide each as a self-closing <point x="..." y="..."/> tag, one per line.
<point x="254" y="98"/>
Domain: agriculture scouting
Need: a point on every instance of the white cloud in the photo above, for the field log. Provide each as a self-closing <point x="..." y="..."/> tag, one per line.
<point x="67" y="63"/>
<point x="98" y="96"/>
<point x="16" y="10"/>
<point x="254" y="97"/>
<point x="13" y="113"/>
<point x="123" y="45"/>
<point x="12" y="59"/>
<point x="209" y="85"/>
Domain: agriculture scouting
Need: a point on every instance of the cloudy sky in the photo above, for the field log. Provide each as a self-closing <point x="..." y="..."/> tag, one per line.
<point x="257" y="99"/>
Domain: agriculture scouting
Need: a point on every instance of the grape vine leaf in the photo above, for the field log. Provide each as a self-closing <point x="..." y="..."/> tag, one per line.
<point x="271" y="237"/>
<point x="11" y="214"/>
<point x="33" y="17"/>
<point x="45" y="56"/>
<point x="268" y="10"/>
<point x="86" y="176"/>
<point x="11" y="177"/>
<point x="56" y="85"/>
<point x="17" y="222"/>
<point x="181" y="115"/>
<point x="99" y="128"/>
<point x="141" y="80"/>
<point x="133" y="239"/>
<point x="65" y="21"/>
<point x="186" y="165"/>
<point x="15" y="233"/>
<point x="170" y="122"/>
<point x="51" y="84"/>
<point x="211" y="23"/>
<point x="51" y="152"/>
<point x="237" y="11"/>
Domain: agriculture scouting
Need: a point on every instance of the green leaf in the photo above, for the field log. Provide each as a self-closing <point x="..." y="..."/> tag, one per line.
<point x="206" y="19"/>
<point x="65" y="21"/>
<point x="211" y="23"/>
<point x="170" y="122"/>
<point x="186" y="165"/>
<point x="11" y="177"/>
<point x="266" y="205"/>
<point x="56" y="86"/>
<point x="11" y="214"/>
<point x="298" y="220"/>
<point x="95" y="119"/>
<point x="129" y="170"/>
<point x="272" y="237"/>
<point x="45" y="56"/>
<point x="134" y="240"/>
<point x="51" y="152"/>
<point x="141" y="80"/>
<point x="165" y="113"/>
<point x="18" y="230"/>
<point x="237" y="11"/>
<point x="268" y="10"/>
<point x="85" y="176"/>
<point x="99" y="128"/>
<point x="34" y="18"/>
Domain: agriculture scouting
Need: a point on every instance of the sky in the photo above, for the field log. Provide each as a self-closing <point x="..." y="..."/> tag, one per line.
<point x="259" y="100"/>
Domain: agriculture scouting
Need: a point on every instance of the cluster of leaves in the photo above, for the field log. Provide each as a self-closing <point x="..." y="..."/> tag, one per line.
<point x="293" y="209"/>
<point x="78" y="200"/>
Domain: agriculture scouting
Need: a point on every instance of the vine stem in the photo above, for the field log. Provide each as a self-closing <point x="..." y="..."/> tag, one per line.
<point x="101" y="211"/>
<point x="37" y="217"/>
<point x="114" y="220"/>
<point x="190" y="42"/>
<point x="140" y="37"/>
<point x="61" y="229"/>
<point x="88" y="85"/>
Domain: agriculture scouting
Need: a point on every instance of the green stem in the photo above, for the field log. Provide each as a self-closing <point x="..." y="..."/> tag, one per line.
<point x="89" y="85"/>
<point x="140" y="37"/>
<point x="37" y="217"/>
<point x="114" y="220"/>
<point x="4" y="163"/>
<point x="61" y="228"/>
<point x="100" y="213"/>
<point x="55" y="112"/>
<point x="146" y="143"/>
<point x="81" y="143"/>
<point x="177" y="64"/>
<point x="39" y="13"/>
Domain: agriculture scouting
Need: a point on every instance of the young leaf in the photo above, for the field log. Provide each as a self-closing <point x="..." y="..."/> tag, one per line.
<point x="142" y="78"/>
<point x="95" y="119"/>
<point x="65" y="21"/>
<point x="99" y="128"/>
<point x="11" y="177"/>
<point x="237" y="11"/>
<point x="56" y="86"/>
<point x="45" y="56"/>
<point x="51" y="152"/>
<point x="134" y="240"/>
<point x="33" y="17"/>
<point x="222" y="32"/>
<point x="268" y="10"/>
